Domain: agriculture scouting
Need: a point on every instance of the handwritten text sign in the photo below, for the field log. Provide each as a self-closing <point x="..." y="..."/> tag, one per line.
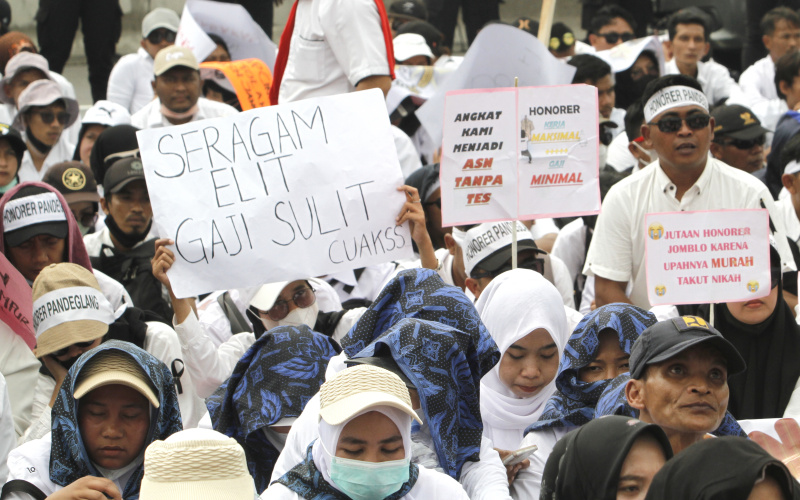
<point x="707" y="257"/>
<point x="250" y="78"/>
<point x="16" y="302"/>
<point x="520" y="153"/>
<point x="278" y="193"/>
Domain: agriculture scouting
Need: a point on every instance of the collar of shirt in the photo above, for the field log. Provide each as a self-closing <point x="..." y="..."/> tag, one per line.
<point x="666" y="185"/>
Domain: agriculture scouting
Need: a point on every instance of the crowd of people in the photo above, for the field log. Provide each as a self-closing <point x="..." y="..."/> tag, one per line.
<point x="466" y="372"/>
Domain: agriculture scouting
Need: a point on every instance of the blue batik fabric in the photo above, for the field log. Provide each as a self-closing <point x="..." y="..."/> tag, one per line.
<point x="274" y="379"/>
<point x="69" y="460"/>
<point x="614" y="402"/>
<point x="420" y="293"/>
<point x="445" y="365"/>
<point x="307" y="481"/>
<point x="574" y="401"/>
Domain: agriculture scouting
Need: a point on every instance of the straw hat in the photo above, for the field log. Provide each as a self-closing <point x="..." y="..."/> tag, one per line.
<point x="359" y="388"/>
<point x="112" y="367"/>
<point x="196" y="463"/>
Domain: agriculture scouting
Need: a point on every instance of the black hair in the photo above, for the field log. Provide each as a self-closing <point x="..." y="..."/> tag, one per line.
<point x="668" y="81"/>
<point x="772" y="17"/>
<point x="590" y="68"/>
<point x="219" y="41"/>
<point x="228" y="97"/>
<point x="790" y="151"/>
<point x="688" y="16"/>
<point x="786" y="69"/>
<point x="634" y="118"/>
<point x="608" y="13"/>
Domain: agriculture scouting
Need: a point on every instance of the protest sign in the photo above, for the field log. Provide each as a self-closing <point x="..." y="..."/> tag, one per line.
<point x="192" y="36"/>
<point x="277" y="193"/>
<point x="16" y="302"/>
<point x="251" y="80"/>
<point x="520" y="153"/>
<point x="707" y="256"/>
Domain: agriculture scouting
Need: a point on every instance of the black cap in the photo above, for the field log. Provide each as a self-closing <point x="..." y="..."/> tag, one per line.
<point x="15" y="139"/>
<point x="409" y="9"/>
<point x="527" y="24"/>
<point x="737" y="122"/>
<point x="121" y="173"/>
<point x="500" y="257"/>
<point x="561" y="37"/>
<point x="669" y="338"/>
<point x="74" y="181"/>
<point x="385" y="362"/>
<point x="18" y="236"/>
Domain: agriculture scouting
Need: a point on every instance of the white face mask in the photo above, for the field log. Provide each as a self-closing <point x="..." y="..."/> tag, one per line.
<point x="649" y="152"/>
<point x="300" y="316"/>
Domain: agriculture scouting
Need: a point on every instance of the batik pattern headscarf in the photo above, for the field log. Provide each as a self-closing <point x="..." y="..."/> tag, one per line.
<point x="69" y="460"/>
<point x="274" y="380"/>
<point x="574" y="401"/>
<point x="446" y="366"/>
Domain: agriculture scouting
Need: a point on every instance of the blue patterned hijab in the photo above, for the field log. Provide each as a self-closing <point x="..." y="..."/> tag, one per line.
<point x="613" y="402"/>
<point x="420" y="293"/>
<point x="69" y="460"/>
<point x="274" y="379"/>
<point x="445" y="365"/>
<point x="574" y="402"/>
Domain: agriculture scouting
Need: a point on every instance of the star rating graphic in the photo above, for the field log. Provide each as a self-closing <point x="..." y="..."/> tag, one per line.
<point x="560" y="151"/>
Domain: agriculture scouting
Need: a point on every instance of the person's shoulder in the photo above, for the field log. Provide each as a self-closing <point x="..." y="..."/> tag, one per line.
<point x="436" y="483"/>
<point x="30" y="460"/>
<point x="214" y="108"/>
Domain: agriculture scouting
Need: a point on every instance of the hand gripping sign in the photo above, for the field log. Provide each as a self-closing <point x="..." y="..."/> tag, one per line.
<point x="278" y="193"/>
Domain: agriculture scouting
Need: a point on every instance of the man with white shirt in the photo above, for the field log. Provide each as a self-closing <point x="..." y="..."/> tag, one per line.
<point x="789" y="207"/>
<point x="689" y="43"/>
<point x="596" y="72"/>
<point x="177" y="87"/>
<point x="684" y="178"/>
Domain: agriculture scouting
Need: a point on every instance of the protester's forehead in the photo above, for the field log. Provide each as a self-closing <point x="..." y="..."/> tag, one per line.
<point x="115" y="394"/>
<point x="293" y="287"/>
<point x="703" y="351"/>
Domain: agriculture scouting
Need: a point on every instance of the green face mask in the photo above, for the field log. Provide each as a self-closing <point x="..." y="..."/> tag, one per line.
<point x="369" y="480"/>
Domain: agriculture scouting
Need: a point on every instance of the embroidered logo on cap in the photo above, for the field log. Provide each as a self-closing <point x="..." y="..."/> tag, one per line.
<point x="685" y="323"/>
<point x="73" y="179"/>
<point x="748" y="118"/>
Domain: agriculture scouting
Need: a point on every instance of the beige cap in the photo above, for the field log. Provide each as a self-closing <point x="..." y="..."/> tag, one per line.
<point x="112" y="367"/>
<point x="172" y="56"/>
<point x="60" y="322"/>
<point x="196" y="463"/>
<point x="357" y="389"/>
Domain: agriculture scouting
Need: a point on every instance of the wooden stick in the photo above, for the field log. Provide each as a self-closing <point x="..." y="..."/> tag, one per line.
<point x="514" y="222"/>
<point x="546" y="21"/>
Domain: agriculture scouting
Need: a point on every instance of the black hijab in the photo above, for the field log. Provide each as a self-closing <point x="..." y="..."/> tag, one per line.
<point x="724" y="468"/>
<point x="586" y="463"/>
<point x="112" y="144"/>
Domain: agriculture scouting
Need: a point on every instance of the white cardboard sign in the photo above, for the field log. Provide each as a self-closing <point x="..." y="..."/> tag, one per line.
<point x="192" y="36"/>
<point x="520" y="153"/>
<point x="707" y="256"/>
<point x="278" y="193"/>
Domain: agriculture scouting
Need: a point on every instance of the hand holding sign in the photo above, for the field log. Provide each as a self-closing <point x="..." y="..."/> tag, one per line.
<point x="787" y="450"/>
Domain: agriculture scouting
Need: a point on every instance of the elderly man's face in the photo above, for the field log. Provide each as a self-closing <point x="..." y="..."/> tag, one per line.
<point x="178" y="89"/>
<point x="685" y="149"/>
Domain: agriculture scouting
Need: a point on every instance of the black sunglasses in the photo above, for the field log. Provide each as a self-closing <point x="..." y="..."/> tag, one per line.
<point x="79" y="345"/>
<point x="613" y="37"/>
<point x="671" y="124"/>
<point x="157" y="36"/>
<point x="48" y="117"/>
<point x="746" y="143"/>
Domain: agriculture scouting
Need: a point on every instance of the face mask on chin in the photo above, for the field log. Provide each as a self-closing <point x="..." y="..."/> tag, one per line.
<point x="300" y="316"/>
<point x="651" y="153"/>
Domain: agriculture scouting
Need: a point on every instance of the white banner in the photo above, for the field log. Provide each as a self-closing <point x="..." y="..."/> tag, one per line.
<point x="192" y="36"/>
<point x="278" y="193"/>
<point x="622" y="56"/>
<point x="707" y="257"/>
<point x="70" y="304"/>
<point x="34" y="209"/>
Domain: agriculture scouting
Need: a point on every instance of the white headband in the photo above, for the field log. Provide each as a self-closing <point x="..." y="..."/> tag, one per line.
<point x="35" y="209"/>
<point x="792" y="167"/>
<point x="77" y="303"/>
<point x="673" y="97"/>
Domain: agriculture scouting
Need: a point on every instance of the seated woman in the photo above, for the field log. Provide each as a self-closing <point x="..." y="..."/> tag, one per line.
<point x="732" y="468"/>
<point x="98" y="118"/>
<point x="597" y="351"/>
<point x="115" y="400"/>
<point x="612" y="458"/>
<point x="523" y="312"/>
<point x="12" y="149"/>
<point x="366" y="416"/>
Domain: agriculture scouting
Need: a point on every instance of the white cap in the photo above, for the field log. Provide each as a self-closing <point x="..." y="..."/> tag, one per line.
<point x="792" y="167"/>
<point x="489" y="244"/>
<point x="106" y="113"/>
<point x="266" y="296"/>
<point x="409" y="45"/>
<point x="160" y="17"/>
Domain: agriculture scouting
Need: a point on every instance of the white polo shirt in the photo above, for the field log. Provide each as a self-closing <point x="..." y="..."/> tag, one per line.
<point x="335" y="44"/>
<point x="617" y="250"/>
<point x="789" y="219"/>
<point x="758" y="92"/>
<point x="714" y="78"/>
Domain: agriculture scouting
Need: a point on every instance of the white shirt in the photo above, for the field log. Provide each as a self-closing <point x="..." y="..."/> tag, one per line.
<point x="619" y="156"/>
<point x="757" y="91"/>
<point x="130" y="82"/>
<point x="20" y="368"/>
<point x="62" y="151"/>
<point x="529" y="481"/>
<point x="150" y="115"/>
<point x="94" y="241"/>
<point x="410" y="160"/>
<point x="714" y="78"/>
<point x="543" y="227"/>
<point x="335" y="45"/>
<point x="617" y="250"/>
<point x="8" y="438"/>
<point x="618" y="117"/>
<point x="788" y="216"/>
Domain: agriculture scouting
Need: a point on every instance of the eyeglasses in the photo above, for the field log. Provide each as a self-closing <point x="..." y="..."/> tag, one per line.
<point x="671" y="124"/>
<point x="302" y="298"/>
<point x="79" y="345"/>
<point x="48" y="116"/>
<point x="157" y="36"/>
<point x="746" y="143"/>
<point x="613" y="37"/>
<point x="533" y="264"/>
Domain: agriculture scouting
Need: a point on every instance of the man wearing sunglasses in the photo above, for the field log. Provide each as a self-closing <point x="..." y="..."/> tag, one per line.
<point x="684" y="178"/>
<point x="738" y="138"/>
<point x="611" y="26"/>
<point x="130" y="82"/>
<point x="689" y="43"/>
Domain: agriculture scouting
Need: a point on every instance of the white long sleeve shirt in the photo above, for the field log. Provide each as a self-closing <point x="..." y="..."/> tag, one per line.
<point x="130" y="81"/>
<point x="714" y="78"/>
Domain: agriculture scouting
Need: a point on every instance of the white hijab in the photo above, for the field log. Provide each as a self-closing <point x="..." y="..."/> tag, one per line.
<point x="513" y="305"/>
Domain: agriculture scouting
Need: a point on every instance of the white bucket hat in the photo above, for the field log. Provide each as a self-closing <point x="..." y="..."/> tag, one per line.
<point x="44" y="93"/>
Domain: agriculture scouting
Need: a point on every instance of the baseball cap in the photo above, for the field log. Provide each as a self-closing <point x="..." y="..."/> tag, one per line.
<point x="106" y="113"/>
<point x="68" y="307"/>
<point x="356" y="389"/>
<point x="408" y="9"/>
<point x="409" y="45"/>
<point x="561" y="37"/>
<point x="74" y="181"/>
<point x="737" y="122"/>
<point x="527" y="24"/>
<point x="669" y="338"/>
<point x="21" y="62"/>
<point x="172" y="56"/>
<point x="488" y="245"/>
<point x="31" y="211"/>
<point x="160" y="17"/>
<point x="14" y="138"/>
<point x="266" y="296"/>
<point x="44" y="93"/>
<point x="113" y="367"/>
<point x="121" y="173"/>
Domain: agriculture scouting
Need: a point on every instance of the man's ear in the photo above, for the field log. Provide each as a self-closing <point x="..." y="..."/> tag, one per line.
<point x="104" y="205"/>
<point x="716" y="150"/>
<point x="634" y="393"/>
<point x="153" y="84"/>
<point x="708" y="47"/>
<point x="592" y="39"/>
<point x="645" y="130"/>
<point x="788" y="183"/>
<point x="473" y="286"/>
<point x="785" y="87"/>
<point x="450" y="243"/>
<point x="767" y="41"/>
<point x="712" y="123"/>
